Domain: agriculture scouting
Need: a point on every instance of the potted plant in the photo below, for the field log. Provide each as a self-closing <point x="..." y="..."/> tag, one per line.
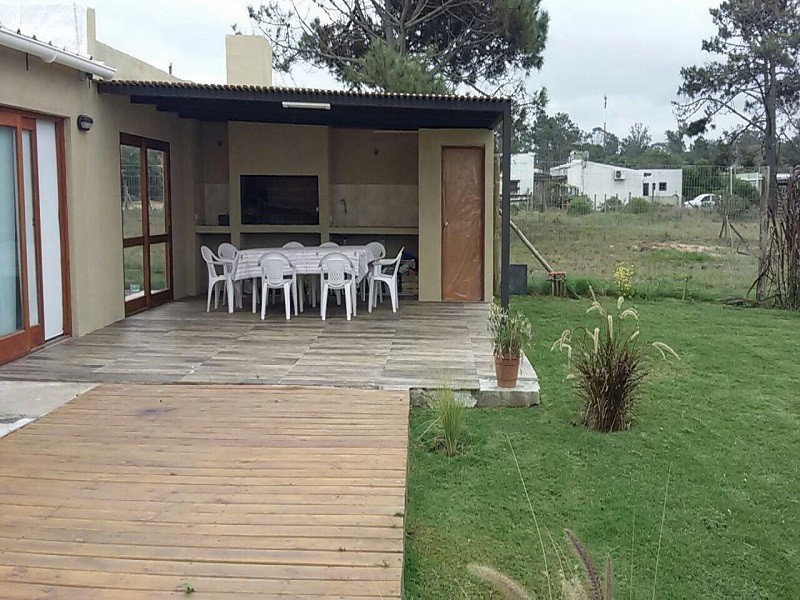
<point x="510" y="332"/>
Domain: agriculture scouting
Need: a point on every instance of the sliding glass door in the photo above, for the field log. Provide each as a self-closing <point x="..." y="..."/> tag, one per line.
<point x="20" y="256"/>
<point x="146" y="224"/>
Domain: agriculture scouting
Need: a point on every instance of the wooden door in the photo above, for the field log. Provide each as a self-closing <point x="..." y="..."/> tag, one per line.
<point x="21" y="318"/>
<point x="146" y="222"/>
<point x="463" y="221"/>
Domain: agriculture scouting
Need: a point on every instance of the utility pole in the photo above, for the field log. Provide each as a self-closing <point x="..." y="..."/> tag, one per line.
<point x="605" y="119"/>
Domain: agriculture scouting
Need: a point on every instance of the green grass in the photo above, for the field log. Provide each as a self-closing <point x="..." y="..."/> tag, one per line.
<point x="724" y="421"/>
<point x="665" y="247"/>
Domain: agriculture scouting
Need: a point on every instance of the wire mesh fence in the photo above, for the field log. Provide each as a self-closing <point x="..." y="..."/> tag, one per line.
<point x="598" y="186"/>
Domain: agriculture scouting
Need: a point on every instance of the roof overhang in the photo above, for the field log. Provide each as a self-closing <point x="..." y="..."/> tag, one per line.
<point x="221" y="103"/>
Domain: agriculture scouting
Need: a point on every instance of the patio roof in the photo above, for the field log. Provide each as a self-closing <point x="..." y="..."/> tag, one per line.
<point x="335" y="108"/>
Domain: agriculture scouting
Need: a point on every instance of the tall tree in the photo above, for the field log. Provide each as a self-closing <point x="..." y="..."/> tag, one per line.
<point x="410" y="45"/>
<point x="756" y="77"/>
<point x="637" y="141"/>
<point x="554" y="137"/>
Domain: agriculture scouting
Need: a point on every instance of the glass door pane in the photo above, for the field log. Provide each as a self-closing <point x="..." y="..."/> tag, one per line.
<point x="159" y="273"/>
<point x="131" y="193"/>
<point x="11" y="314"/>
<point x="30" y="233"/>
<point x="156" y="192"/>
<point x="133" y="261"/>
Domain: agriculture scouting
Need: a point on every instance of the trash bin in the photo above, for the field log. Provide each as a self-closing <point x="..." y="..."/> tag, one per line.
<point x="518" y="275"/>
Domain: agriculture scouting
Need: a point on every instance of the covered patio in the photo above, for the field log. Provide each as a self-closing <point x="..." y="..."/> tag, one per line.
<point x="423" y="346"/>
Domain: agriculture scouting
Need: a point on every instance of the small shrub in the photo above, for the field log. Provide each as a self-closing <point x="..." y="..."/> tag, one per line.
<point x="623" y="277"/>
<point x="638" y="206"/>
<point x="612" y="204"/>
<point x="579" y="205"/>
<point x="450" y="418"/>
<point x="609" y="364"/>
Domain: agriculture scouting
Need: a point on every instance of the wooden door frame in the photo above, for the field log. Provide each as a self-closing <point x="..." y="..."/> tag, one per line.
<point x="145" y="241"/>
<point x="482" y="149"/>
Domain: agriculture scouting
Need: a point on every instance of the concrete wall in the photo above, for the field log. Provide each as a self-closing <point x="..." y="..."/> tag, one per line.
<point x="373" y="178"/>
<point x="93" y="188"/>
<point x="431" y="142"/>
<point x="248" y="60"/>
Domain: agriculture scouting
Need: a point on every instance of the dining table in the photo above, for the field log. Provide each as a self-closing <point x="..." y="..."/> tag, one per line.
<point x="306" y="261"/>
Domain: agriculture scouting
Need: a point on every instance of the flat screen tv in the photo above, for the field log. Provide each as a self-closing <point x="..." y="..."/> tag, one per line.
<point x="280" y="200"/>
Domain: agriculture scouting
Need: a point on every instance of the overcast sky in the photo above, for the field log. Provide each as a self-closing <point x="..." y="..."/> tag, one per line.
<point x="631" y="50"/>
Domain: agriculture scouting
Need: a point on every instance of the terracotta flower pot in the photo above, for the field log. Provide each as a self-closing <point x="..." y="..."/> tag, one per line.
<point x="507" y="370"/>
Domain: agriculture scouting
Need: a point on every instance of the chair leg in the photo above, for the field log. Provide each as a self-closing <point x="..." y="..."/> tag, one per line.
<point x="348" y="300"/>
<point x="264" y="300"/>
<point x="216" y="295"/>
<point x="323" y="301"/>
<point x="393" y="292"/>
<point x="338" y="297"/>
<point x="371" y="294"/>
<point x="254" y="293"/>
<point x="287" y="301"/>
<point x="210" y="292"/>
<point x="231" y="296"/>
<point x="354" y="291"/>
<point x="294" y="296"/>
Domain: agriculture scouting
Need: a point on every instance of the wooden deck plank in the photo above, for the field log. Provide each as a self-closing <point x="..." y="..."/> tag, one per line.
<point x="130" y="491"/>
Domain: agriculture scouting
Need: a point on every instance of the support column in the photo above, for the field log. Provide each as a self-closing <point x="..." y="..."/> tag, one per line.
<point x="505" y="251"/>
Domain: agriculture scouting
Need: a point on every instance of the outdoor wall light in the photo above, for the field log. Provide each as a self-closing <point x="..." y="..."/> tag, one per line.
<point x="85" y="122"/>
<point x="307" y="105"/>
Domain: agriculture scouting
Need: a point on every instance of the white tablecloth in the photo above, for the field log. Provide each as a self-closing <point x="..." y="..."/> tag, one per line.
<point x="306" y="260"/>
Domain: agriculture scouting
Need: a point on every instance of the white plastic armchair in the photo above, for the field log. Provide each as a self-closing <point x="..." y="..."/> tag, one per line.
<point x="387" y="277"/>
<point x="278" y="272"/>
<point x="229" y="254"/>
<point x="293" y="245"/>
<point x="215" y="277"/>
<point x="378" y="252"/>
<point x="337" y="274"/>
<point x="329" y="245"/>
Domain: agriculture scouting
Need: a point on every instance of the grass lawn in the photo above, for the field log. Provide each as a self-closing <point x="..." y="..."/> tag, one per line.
<point x="590" y="247"/>
<point x="724" y="421"/>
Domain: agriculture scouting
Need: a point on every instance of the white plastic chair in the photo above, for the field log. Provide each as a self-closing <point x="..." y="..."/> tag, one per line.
<point x="329" y="245"/>
<point x="389" y="278"/>
<point x="337" y="274"/>
<point x="378" y="252"/>
<point x="278" y="272"/>
<point x="214" y="276"/>
<point x="229" y="254"/>
<point x="301" y="279"/>
<point x="293" y="245"/>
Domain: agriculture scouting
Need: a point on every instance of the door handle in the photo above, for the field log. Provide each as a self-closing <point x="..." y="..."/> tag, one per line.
<point x="446" y="223"/>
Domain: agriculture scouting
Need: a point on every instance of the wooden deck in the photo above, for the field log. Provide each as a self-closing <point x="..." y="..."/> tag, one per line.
<point x="422" y="346"/>
<point x="132" y="491"/>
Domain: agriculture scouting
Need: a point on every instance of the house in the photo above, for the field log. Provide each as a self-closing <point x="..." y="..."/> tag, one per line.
<point x="115" y="173"/>
<point x="599" y="181"/>
<point x="523" y="170"/>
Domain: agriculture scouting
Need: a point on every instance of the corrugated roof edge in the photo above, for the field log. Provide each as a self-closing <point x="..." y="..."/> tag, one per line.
<point x="189" y="85"/>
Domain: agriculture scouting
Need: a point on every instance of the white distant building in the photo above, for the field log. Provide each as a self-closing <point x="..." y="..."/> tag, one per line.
<point x="523" y="168"/>
<point x="599" y="181"/>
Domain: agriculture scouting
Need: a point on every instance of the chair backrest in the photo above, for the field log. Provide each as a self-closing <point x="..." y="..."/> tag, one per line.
<point x="335" y="268"/>
<point x="211" y="261"/>
<point x="397" y="261"/>
<point x="274" y="267"/>
<point x="377" y="250"/>
<point x="228" y="251"/>
<point x="293" y="245"/>
<point x="329" y="245"/>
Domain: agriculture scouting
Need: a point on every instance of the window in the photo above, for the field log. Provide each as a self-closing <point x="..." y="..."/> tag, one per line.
<point x="279" y="200"/>
<point x="646" y="189"/>
<point x="662" y="186"/>
<point x="514" y="188"/>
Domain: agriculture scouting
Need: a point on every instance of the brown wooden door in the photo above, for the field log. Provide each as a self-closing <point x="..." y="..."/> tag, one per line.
<point x="21" y="314"/>
<point x="146" y="222"/>
<point x="462" y="224"/>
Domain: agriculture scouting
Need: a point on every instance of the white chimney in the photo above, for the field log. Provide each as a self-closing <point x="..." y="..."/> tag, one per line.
<point x="249" y="60"/>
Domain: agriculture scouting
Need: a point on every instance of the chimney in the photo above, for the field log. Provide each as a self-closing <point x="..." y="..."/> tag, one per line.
<point x="249" y="60"/>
